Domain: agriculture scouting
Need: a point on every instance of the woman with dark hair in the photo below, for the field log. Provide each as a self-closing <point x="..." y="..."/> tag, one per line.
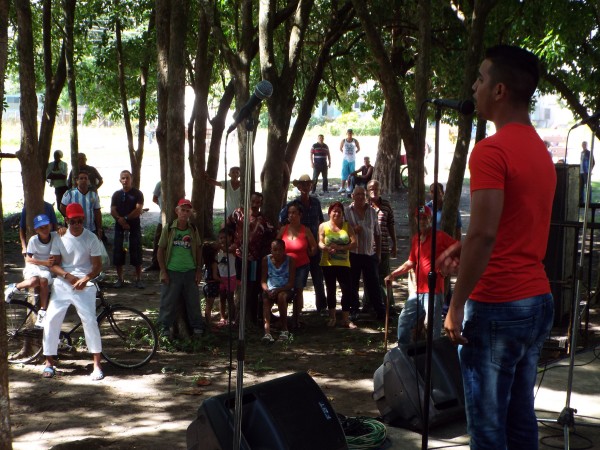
<point x="300" y="244"/>
<point x="336" y="239"/>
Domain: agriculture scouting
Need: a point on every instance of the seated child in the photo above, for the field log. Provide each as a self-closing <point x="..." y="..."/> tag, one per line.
<point x="278" y="277"/>
<point x="42" y="252"/>
<point x="226" y="266"/>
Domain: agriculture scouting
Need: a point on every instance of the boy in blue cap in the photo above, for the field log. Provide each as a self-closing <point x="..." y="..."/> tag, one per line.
<point x="42" y="252"/>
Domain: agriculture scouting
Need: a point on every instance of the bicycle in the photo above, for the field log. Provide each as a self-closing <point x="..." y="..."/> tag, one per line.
<point x="129" y="339"/>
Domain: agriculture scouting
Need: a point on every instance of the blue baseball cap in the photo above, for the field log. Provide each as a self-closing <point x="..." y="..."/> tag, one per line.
<point x="40" y="221"/>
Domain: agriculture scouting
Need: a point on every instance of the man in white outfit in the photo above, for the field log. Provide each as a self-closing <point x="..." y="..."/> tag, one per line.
<point x="80" y="262"/>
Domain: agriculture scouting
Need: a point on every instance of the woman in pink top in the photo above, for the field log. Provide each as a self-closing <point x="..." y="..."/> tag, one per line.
<point x="299" y="244"/>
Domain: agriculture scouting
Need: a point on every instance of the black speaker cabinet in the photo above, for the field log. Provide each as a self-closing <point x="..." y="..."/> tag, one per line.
<point x="399" y="385"/>
<point x="561" y="251"/>
<point x="288" y="413"/>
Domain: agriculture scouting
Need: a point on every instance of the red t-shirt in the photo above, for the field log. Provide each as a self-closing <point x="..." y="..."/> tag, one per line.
<point x="297" y="248"/>
<point x="422" y="258"/>
<point x="515" y="160"/>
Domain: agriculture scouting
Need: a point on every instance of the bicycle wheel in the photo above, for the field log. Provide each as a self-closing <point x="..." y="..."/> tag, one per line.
<point x="129" y="339"/>
<point x="404" y="177"/>
<point x="24" y="340"/>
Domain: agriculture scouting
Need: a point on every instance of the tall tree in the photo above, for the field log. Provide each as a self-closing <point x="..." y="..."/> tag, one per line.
<point x="474" y="29"/>
<point x="5" y="432"/>
<point x="391" y="69"/>
<point x="282" y="75"/>
<point x="33" y="172"/>
<point x="171" y="27"/>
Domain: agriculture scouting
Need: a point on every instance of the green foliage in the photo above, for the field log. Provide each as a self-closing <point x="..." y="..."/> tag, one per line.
<point x="362" y="126"/>
<point x="148" y="236"/>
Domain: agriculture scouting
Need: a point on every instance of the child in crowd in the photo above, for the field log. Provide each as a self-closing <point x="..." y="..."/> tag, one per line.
<point x="42" y="253"/>
<point x="278" y="277"/>
<point x="226" y="266"/>
<point x="211" y="278"/>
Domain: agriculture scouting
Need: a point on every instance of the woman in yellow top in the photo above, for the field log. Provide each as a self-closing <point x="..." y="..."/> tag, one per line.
<point x="336" y="239"/>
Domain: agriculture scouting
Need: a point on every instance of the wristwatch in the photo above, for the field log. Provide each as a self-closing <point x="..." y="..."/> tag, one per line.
<point x="125" y="217"/>
<point x="65" y="275"/>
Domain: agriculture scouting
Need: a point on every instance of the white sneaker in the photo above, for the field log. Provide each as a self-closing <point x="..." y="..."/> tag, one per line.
<point x="267" y="339"/>
<point x="348" y="189"/>
<point x="340" y="190"/>
<point x="284" y="336"/>
<point x="9" y="291"/>
<point x="39" y="323"/>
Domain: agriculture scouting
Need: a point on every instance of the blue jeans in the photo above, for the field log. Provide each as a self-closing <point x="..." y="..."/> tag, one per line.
<point x="416" y="306"/>
<point x="499" y="368"/>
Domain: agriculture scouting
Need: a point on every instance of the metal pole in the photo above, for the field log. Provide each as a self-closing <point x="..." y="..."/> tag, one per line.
<point x="432" y="281"/>
<point x="241" y="350"/>
<point x="567" y="415"/>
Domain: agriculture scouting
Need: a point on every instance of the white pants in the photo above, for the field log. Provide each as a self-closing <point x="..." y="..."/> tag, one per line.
<point x="63" y="295"/>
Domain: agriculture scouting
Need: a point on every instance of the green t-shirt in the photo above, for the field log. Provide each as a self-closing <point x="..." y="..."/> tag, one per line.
<point x="182" y="259"/>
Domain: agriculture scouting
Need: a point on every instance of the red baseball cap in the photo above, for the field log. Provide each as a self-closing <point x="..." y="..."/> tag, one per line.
<point x="184" y="202"/>
<point x="74" y="210"/>
<point x="423" y="211"/>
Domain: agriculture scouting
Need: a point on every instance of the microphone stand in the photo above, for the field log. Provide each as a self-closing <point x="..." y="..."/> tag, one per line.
<point x="241" y="350"/>
<point x="567" y="415"/>
<point x="432" y="281"/>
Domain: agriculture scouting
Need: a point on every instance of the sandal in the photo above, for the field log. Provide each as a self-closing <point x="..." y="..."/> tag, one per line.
<point x="49" y="372"/>
<point x="331" y="322"/>
<point x="96" y="375"/>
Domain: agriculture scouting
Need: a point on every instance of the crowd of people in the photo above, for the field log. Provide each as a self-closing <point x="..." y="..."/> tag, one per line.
<point x="501" y="309"/>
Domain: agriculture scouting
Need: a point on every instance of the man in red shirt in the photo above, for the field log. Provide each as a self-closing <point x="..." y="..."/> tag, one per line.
<point x="502" y="291"/>
<point x="420" y="260"/>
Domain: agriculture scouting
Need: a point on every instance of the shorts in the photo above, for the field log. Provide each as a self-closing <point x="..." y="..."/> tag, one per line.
<point x="211" y="289"/>
<point x="227" y="284"/>
<point x="33" y="270"/>
<point x="301" y="276"/>
<point x="347" y="169"/>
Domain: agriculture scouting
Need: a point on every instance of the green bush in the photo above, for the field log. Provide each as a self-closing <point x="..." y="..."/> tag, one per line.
<point x="148" y="236"/>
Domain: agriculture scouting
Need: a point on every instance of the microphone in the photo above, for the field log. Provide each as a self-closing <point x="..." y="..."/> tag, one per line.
<point x="462" y="106"/>
<point x="586" y="121"/>
<point x="264" y="89"/>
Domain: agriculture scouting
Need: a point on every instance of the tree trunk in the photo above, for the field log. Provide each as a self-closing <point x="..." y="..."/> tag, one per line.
<point x="5" y="432"/>
<point x="163" y="19"/>
<point x="395" y="102"/>
<point x="32" y="173"/>
<point x="202" y="77"/>
<point x="281" y="103"/>
<point x="212" y="165"/>
<point x="176" y="105"/>
<point x="69" y="9"/>
<point x="459" y="161"/>
<point x="339" y="23"/>
<point x="388" y="152"/>
<point x="54" y="83"/>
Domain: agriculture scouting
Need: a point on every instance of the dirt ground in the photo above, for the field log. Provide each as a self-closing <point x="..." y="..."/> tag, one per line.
<point x="152" y="406"/>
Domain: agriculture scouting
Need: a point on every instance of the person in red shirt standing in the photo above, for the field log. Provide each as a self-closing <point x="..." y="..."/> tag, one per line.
<point x="502" y="310"/>
<point x="419" y="259"/>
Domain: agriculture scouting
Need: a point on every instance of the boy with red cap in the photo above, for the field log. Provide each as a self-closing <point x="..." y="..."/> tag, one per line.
<point x="81" y="261"/>
<point x="180" y="260"/>
<point x="419" y="259"/>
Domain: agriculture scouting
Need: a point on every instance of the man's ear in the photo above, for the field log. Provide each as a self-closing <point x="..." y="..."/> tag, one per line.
<point x="500" y="91"/>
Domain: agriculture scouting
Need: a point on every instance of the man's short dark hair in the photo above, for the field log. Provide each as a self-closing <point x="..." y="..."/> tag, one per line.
<point x="517" y="68"/>
<point x="83" y="172"/>
<point x="258" y="194"/>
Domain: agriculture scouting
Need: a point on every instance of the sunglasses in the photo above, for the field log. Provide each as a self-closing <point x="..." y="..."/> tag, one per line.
<point x="75" y="221"/>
